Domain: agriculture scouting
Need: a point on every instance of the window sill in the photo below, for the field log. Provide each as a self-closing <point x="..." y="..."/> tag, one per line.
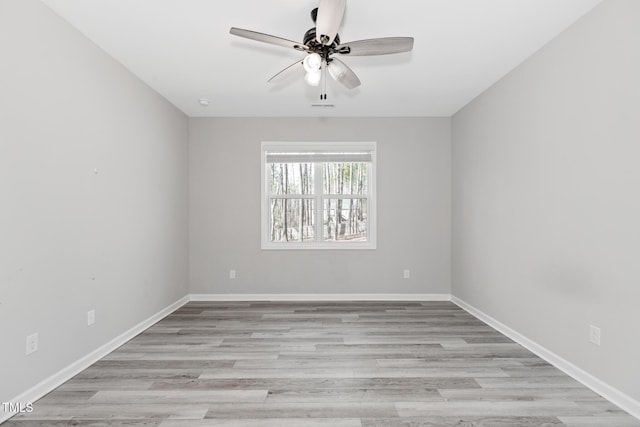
<point x="341" y="246"/>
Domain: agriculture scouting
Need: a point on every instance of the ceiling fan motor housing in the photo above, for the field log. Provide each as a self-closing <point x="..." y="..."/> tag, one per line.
<point x="310" y="41"/>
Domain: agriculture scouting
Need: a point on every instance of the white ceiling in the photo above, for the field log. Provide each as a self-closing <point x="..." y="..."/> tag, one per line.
<point x="183" y="50"/>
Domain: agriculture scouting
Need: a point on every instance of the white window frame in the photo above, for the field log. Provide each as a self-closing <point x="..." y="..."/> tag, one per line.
<point x="358" y="146"/>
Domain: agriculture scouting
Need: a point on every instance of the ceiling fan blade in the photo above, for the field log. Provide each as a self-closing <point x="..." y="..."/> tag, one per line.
<point x="343" y="74"/>
<point x="285" y="71"/>
<point x="266" y="38"/>
<point x="330" y="13"/>
<point x="381" y="46"/>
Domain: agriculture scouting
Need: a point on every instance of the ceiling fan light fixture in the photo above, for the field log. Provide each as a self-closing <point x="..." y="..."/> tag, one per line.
<point x="336" y="70"/>
<point x="312" y="78"/>
<point x="312" y="63"/>
<point x="343" y="74"/>
<point x="322" y="46"/>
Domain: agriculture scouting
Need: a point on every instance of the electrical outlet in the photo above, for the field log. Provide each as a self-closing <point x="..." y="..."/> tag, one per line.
<point x="91" y="317"/>
<point x="594" y="334"/>
<point x="32" y="343"/>
<point x="406" y="274"/>
<point x="232" y="274"/>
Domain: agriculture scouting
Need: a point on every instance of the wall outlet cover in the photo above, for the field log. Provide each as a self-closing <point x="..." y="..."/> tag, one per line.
<point x="32" y="343"/>
<point x="594" y="334"/>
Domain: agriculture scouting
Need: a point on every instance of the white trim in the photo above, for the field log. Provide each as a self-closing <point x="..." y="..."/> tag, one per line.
<point x="84" y="362"/>
<point x="610" y="393"/>
<point x="56" y="380"/>
<point x="320" y="297"/>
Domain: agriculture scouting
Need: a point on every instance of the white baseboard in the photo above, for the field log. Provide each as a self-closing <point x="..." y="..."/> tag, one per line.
<point x="610" y="393"/>
<point x="319" y="297"/>
<point x="619" y="398"/>
<point x="83" y="363"/>
<point x="76" y="367"/>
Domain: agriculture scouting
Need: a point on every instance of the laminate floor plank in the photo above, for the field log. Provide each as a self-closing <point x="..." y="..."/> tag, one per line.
<point x="319" y="364"/>
<point x="70" y="396"/>
<point x="174" y="364"/>
<point x="305" y="364"/>
<point x="354" y="395"/>
<point x="414" y="362"/>
<point x="524" y="408"/>
<point x="262" y="422"/>
<point x="132" y="410"/>
<point x="101" y="422"/>
<point x="529" y="382"/>
<point x="303" y="410"/>
<point x="286" y="384"/>
<point x="217" y="354"/>
<point x="138" y="373"/>
<point x="277" y="373"/>
<point x="93" y="385"/>
<point x="438" y="421"/>
<point x="497" y="394"/>
<point x="178" y="396"/>
<point x="601" y="421"/>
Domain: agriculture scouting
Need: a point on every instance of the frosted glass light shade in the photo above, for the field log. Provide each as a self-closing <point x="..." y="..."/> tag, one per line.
<point x="312" y="62"/>
<point x="313" y="78"/>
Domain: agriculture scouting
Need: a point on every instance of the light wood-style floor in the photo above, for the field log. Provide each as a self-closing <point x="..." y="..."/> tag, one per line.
<point x="338" y="364"/>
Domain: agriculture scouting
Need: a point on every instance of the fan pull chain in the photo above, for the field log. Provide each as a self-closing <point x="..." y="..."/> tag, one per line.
<point x="325" y="82"/>
<point x="323" y="94"/>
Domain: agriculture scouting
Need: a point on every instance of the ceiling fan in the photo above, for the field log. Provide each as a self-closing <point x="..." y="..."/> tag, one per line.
<point x="322" y="43"/>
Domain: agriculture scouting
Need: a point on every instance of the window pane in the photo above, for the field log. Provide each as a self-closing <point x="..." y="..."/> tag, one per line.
<point x="292" y="220"/>
<point x="290" y="178"/>
<point x="344" y="220"/>
<point x="345" y="178"/>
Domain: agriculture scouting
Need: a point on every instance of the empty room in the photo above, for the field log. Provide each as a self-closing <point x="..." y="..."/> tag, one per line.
<point x="320" y="213"/>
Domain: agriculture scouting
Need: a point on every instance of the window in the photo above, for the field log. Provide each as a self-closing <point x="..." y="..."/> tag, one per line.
<point x="318" y="195"/>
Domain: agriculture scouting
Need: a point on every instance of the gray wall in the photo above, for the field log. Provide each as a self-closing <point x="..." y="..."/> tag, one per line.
<point x="414" y="209"/>
<point x="72" y="240"/>
<point x="546" y="206"/>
